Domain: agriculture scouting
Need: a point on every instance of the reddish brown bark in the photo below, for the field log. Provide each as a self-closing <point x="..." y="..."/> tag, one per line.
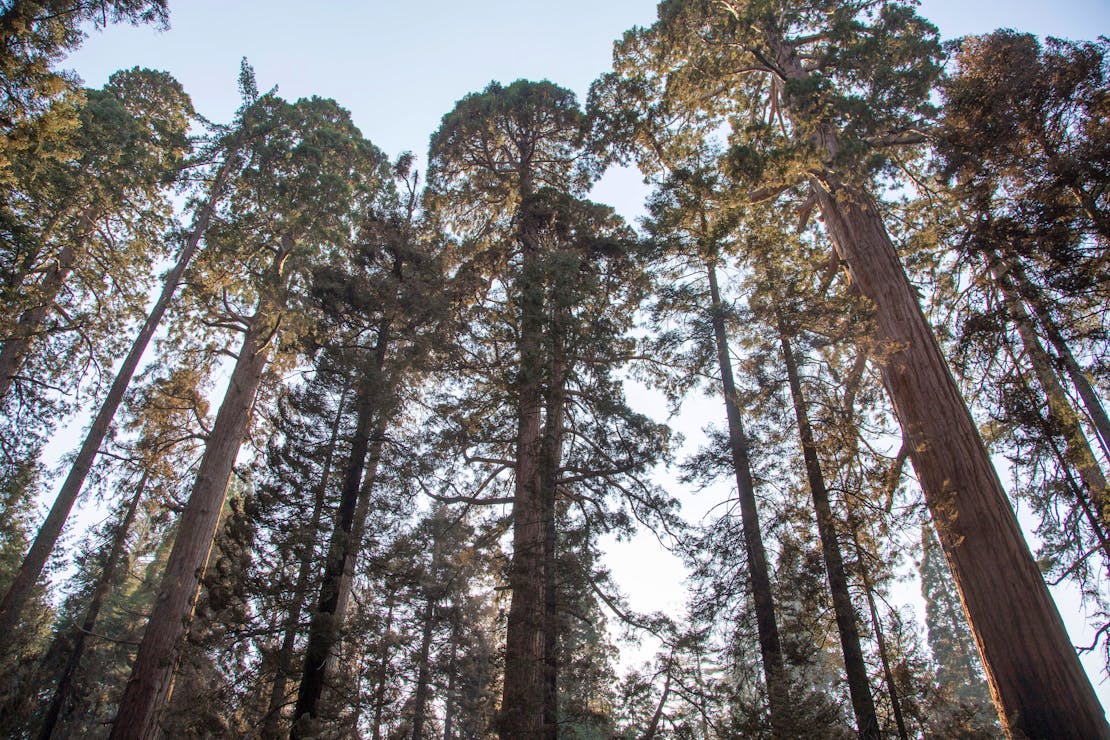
<point x="522" y="702"/>
<point x="151" y="680"/>
<point x="1016" y="626"/>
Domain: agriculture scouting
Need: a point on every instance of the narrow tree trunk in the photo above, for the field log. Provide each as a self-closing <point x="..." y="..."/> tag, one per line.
<point x="423" y="673"/>
<point x="770" y="647"/>
<point x="284" y="663"/>
<point x="1016" y="626"/>
<point x="383" y="671"/>
<point x="449" y="702"/>
<point x="1078" y="449"/>
<point x="551" y="458"/>
<point x="522" y="703"/>
<point x="880" y="639"/>
<point x="51" y="529"/>
<point x="151" y="680"/>
<point x="326" y="622"/>
<point x="13" y="352"/>
<point x="657" y="715"/>
<point x="863" y="705"/>
<point x="116" y="554"/>
<point x="1095" y="409"/>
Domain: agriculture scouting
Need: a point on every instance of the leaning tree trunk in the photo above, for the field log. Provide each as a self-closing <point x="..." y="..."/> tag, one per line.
<point x="1017" y="628"/>
<point x="1095" y="409"/>
<point x="272" y="727"/>
<point x="51" y="529"/>
<point x="13" y="352"/>
<point x="770" y="647"/>
<point x="522" y="703"/>
<point x="116" y="554"/>
<point x="1078" y="449"/>
<point x="151" y="680"/>
<point x="859" y="689"/>
<point x="880" y="638"/>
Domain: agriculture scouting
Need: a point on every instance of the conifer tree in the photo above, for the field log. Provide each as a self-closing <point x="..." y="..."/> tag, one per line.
<point x="839" y="82"/>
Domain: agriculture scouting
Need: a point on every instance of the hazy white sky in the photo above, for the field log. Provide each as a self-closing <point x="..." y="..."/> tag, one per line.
<point x="399" y="67"/>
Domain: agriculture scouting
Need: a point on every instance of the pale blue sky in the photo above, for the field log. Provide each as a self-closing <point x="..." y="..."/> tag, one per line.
<point x="398" y="67"/>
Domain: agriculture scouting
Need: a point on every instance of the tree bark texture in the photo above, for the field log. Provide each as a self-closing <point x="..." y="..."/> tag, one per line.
<point x="522" y="702"/>
<point x="151" y="680"/>
<point x="1017" y="628"/>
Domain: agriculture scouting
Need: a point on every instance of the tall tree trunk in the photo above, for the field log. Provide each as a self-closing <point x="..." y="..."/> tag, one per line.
<point x="1095" y="408"/>
<point x="863" y="705"/>
<point x="1017" y="628"/>
<point x="284" y="664"/>
<point x="880" y="638"/>
<point x="116" y="554"/>
<point x="522" y="703"/>
<point x="383" y="671"/>
<point x="423" y="673"/>
<point x="449" y="701"/>
<point x="327" y="619"/>
<point x="770" y="647"/>
<point x="47" y="536"/>
<point x="1078" y="449"/>
<point x="151" y="680"/>
<point x="551" y="458"/>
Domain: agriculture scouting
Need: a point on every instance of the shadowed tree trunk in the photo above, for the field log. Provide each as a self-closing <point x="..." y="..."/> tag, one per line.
<point x="770" y="647"/>
<point x="551" y="457"/>
<point x="116" y="555"/>
<point x="423" y="674"/>
<point x="859" y="689"/>
<point x="383" y="670"/>
<point x="272" y="727"/>
<point x="327" y="619"/>
<point x="880" y="638"/>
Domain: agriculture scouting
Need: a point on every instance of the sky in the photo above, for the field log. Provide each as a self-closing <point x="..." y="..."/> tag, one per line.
<point x="399" y="67"/>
